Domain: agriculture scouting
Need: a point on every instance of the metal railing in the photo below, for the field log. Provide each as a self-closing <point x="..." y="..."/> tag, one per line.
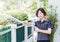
<point x="16" y="33"/>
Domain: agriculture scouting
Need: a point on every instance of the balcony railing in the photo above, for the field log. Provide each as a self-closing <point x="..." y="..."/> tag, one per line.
<point x="16" y="33"/>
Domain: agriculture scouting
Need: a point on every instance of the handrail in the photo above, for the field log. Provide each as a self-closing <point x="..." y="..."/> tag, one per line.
<point x="6" y="31"/>
<point x="14" y="27"/>
<point x="13" y="33"/>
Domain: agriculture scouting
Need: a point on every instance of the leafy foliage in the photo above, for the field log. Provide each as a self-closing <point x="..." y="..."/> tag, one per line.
<point x="3" y="21"/>
<point x="20" y="15"/>
<point x="52" y="16"/>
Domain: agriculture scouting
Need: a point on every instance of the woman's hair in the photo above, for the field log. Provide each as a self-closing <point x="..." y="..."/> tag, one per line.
<point x="42" y="10"/>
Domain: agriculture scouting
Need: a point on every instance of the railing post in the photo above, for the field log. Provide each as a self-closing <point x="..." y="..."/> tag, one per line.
<point x="13" y="33"/>
<point x="26" y="34"/>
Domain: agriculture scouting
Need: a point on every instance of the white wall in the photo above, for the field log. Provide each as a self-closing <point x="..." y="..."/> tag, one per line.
<point x="57" y="33"/>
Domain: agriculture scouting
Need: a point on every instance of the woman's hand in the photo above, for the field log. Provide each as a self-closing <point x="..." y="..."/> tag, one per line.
<point x="37" y="30"/>
<point x="25" y="23"/>
<point x="28" y="23"/>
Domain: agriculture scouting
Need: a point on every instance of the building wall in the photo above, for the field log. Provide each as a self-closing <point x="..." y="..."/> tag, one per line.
<point x="57" y="33"/>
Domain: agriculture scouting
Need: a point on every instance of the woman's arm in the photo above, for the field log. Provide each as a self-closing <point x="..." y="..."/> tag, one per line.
<point x="29" y="23"/>
<point x="37" y="29"/>
<point x="44" y="31"/>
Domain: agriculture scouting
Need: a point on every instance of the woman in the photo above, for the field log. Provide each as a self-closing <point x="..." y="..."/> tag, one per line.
<point x="43" y="26"/>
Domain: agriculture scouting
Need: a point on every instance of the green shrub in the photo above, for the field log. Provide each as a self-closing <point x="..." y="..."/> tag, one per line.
<point x="20" y="16"/>
<point x="53" y="19"/>
<point x="52" y="16"/>
<point x="3" y="20"/>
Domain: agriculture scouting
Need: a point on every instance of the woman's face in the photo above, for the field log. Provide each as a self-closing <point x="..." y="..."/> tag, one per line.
<point x="40" y="15"/>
